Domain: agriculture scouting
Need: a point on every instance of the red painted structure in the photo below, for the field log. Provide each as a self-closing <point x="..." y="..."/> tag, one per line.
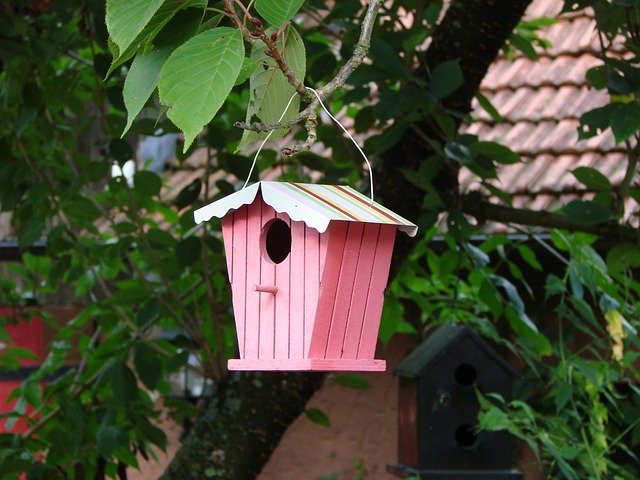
<point x="29" y="335"/>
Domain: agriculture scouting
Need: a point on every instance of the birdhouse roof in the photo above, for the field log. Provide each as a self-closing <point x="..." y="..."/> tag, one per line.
<point x="315" y="205"/>
<point x="440" y="344"/>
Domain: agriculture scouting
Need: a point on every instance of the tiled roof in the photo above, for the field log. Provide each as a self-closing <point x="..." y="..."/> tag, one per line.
<point x="315" y="205"/>
<point x="540" y="103"/>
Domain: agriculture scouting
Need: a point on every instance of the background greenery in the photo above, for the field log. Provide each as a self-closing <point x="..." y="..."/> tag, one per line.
<point x="82" y="81"/>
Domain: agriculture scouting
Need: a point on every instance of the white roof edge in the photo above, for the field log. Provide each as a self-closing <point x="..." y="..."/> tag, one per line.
<point x="221" y="207"/>
<point x="410" y="230"/>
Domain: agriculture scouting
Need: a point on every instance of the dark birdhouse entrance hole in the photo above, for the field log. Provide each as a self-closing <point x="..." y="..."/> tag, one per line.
<point x="276" y="240"/>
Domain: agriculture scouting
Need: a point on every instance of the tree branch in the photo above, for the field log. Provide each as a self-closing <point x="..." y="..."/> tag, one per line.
<point x="474" y="205"/>
<point x="359" y="54"/>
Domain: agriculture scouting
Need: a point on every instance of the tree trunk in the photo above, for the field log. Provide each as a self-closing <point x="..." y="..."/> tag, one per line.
<point x="472" y="31"/>
<point x="235" y="437"/>
<point x="239" y="431"/>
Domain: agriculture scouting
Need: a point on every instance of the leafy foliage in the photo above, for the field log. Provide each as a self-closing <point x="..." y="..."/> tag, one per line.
<point x="76" y="97"/>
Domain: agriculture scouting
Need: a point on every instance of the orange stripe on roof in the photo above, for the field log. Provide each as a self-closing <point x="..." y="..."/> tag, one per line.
<point x="326" y="201"/>
<point x="367" y="203"/>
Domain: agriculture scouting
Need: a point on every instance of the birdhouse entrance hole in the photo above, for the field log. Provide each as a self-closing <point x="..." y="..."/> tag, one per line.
<point x="465" y="375"/>
<point x="465" y="436"/>
<point x="276" y="240"/>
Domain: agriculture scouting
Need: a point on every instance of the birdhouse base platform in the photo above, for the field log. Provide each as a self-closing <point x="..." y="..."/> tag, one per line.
<point x="309" y="364"/>
<point x="404" y="471"/>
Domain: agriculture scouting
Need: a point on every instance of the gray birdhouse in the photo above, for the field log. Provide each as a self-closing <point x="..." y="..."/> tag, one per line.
<point x="438" y="409"/>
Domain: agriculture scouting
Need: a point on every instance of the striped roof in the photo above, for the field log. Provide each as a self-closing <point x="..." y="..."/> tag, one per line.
<point x="315" y="205"/>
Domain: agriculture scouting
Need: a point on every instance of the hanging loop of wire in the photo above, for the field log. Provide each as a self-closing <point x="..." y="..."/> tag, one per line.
<point x="326" y="110"/>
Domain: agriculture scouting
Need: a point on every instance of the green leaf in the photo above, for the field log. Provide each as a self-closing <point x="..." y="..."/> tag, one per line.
<point x="123" y="382"/>
<point x="529" y="256"/>
<point x="554" y="285"/>
<point x="146" y="39"/>
<point x="161" y="238"/>
<point x="592" y="178"/>
<point x="563" y="394"/>
<point x="146" y="183"/>
<point x="460" y="153"/>
<point x="189" y="194"/>
<point x="386" y="57"/>
<point x="249" y="65"/>
<point x="488" y="107"/>
<point x="110" y="438"/>
<point x="147" y="365"/>
<point x="623" y="256"/>
<point x="495" y="151"/>
<point x="625" y="121"/>
<point x="352" y="380"/>
<point x="141" y="81"/>
<point x="270" y="91"/>
<point x="130" y="292"/>
<point x="392" y="320"/>
<point x="120" y="151"/>
<point x="494" y="419"/>
<point x="587" y="212"/>
<point x="446" y="78"/>
<point x="198" y="76"/>
<point x="126" y="19"/>
<point x="317" y="416"/>
<point x="524" y="45"/>
<point x="188" y="251"/>
<point x="151" y="433"/>
<point x="125" y="227"/>
<point x="595" y="121"/>
<point x="144" y="73"/>
<point x="479" y="258"/>
<point x="277" y="12"/>
<point x="31" y="231"/>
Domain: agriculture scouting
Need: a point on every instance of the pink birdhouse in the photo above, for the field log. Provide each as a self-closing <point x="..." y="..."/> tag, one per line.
<point x="308" y="266"/>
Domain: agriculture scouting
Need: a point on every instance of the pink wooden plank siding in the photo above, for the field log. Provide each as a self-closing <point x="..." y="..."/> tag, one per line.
<point x="298" y="263"/>
<point x="237" y="251"/>
<point x="379" y="276"/>
<point x="314" y="246"/>
<point x="253" y="267"/>
<point x="227" y="235"/>
<point x="345" y="292"/>
<point x="337" y="233"/>
<point x="361" y="290"/>
<point x="283" y="302"/>
<point x="266" y="318"/>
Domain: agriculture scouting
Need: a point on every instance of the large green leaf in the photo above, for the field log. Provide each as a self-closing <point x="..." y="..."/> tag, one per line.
<point x="269" y="90"/>
<point x="148" y="32"/>
<point x="277" y="12"/>
<point x="141" y="81"/>
<point x="126" y="19"/>
<point x="198" y="76"/>
<point x="144" y="73"/>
